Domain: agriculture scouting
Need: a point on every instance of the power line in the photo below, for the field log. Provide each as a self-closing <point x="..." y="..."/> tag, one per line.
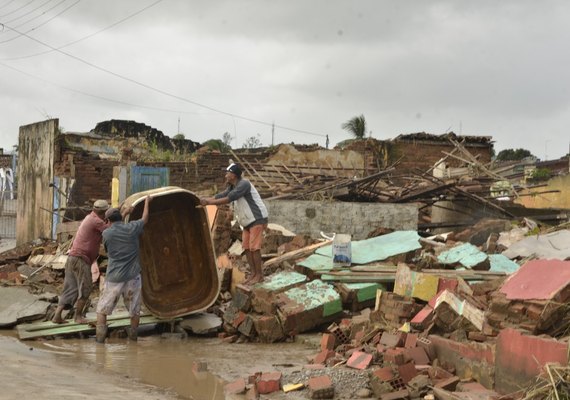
<point x="96" y="96"/>
<point x="165" y="93"/>
<point x="17" y="9"/>
<point x="6" y="4"/>
<point x="42" y="24"/>
<point x="85" y="37"/>
<point x="33" y="11"/>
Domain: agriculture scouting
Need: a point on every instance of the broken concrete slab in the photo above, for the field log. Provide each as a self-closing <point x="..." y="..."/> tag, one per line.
<point x="521" y="357"/>
<point x="555" y="245"/>
<point x="380" y="247"/>
<point x="501" y="263"/>
<point x="307" y="306"/>
<point x="466" y="255"/>
<point x="265" y="293"/>
<point x="17" y="305"/>
<point x="202" y="323"/>
<point x="357" y="296"/>
<point x="538" y="280"/>
<point x="461" y="307"/>
<point x="415" y="284"/>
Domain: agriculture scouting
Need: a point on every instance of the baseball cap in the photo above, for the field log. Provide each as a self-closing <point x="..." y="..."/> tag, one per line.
<point x="100" y="205"/>
<point x="234" y="169"/>
<point x="113" y="214"/>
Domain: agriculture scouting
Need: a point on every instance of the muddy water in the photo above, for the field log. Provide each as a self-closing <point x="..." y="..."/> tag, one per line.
<point x="151" y="360"/>
<point x="167" y="363"/>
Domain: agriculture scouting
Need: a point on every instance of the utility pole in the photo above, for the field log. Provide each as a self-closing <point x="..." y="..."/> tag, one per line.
<point x="272" y="132"/>
<point x="178" y="125"/>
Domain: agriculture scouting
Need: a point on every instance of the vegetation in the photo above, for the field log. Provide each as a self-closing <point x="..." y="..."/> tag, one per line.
<point x="179" y="136"/>
<point x="252" y="142"/>
<point x="540" y="174"/>
<point x="513" y="155"/>
<point x="217" y="145"/>
<point x="227" y="139"/>
<point x="356" y="126"/>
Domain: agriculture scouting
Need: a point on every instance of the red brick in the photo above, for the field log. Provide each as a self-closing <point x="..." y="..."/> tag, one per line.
<point x="438" y="373"/>
<point x="240" y="317"/>
<point x="384" y="374"/>
<point x="390" y="340"/>
<point x="323" y="356"/>
<point x="359" y="360"/>
<point x="447" y="283"/>
<point x="428" y="346"/>
<point x="418" y="355"/>
<point x="358" y="337"/>
<point x="534" y="312"/>
<point x="235" y="387"/>
<point x="328" y="341"/>
<point x="321" y="387"/>
<point x="448" y="384"/>
<point x="411" y="340"/>
<point x="407" y="372"/>
<point x="394" y="356"/>
<point x="423" y="318"/>
<point x="269" y="382"/>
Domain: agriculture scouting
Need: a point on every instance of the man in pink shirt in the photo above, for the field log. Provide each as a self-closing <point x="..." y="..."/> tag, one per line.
<point x="84" y="251"/>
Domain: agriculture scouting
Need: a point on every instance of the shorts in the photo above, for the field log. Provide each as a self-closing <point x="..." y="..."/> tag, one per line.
<point x="77" y="282"/>
<point x="252" y="237"/>
<point x="129" y="290"/>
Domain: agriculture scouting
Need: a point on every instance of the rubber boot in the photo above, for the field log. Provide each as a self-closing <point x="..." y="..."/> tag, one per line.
<point x="100" y="333"/>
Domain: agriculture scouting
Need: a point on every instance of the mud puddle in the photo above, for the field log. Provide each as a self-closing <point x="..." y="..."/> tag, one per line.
<point x="168" y="363"/>
<point x="163" y="363"/>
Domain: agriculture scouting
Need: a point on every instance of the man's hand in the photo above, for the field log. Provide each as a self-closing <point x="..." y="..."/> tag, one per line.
<point x="204" y="201"/>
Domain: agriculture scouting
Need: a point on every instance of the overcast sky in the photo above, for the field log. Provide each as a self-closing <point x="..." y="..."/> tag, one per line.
<point x="489" y="68"/>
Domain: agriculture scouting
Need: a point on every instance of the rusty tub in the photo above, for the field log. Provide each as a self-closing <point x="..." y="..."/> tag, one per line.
<point x="176" y="252"/>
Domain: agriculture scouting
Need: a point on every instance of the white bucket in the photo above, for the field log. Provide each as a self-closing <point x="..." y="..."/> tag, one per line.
<point x="341" y="250"/>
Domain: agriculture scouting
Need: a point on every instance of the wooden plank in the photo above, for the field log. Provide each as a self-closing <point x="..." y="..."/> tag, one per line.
<point x="299" y="253"/>
<point x="48" y="328"/>
<point x="292" y="174"/>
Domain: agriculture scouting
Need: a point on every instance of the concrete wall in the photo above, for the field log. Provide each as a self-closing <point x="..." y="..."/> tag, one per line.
<point x="35" y="173"/>
<point x="549" y="200"/>
<point x="357" y="219"/>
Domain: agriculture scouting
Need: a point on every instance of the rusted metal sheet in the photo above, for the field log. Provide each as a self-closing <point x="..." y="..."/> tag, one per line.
<point x="177" y="254"/>
<point x="537" y="280"/>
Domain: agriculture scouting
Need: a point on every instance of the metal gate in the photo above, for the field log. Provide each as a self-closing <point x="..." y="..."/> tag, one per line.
<point x="145" y="178"/>
<point x="8" y="203"/>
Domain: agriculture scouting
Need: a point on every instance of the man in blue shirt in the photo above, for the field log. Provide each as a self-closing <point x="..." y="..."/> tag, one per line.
<point x="123" y="278"/>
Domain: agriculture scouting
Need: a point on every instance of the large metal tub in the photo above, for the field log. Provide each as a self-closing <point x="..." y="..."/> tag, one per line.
<point x="179" y="274"/>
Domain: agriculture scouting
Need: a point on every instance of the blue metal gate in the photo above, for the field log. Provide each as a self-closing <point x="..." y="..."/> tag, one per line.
<point x="145" y="178"/>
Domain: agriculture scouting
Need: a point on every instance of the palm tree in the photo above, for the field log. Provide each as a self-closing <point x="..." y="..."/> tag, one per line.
<point x="356" y="126"/>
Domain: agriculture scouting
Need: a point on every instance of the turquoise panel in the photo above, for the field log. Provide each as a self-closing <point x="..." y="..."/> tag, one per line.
<point x="465" y="254"/>
<point x="380" y="247"/>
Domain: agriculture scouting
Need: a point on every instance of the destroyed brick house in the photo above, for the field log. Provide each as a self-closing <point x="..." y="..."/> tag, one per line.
<point x="70" y="170"/>
<point x="416" y="313"/>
